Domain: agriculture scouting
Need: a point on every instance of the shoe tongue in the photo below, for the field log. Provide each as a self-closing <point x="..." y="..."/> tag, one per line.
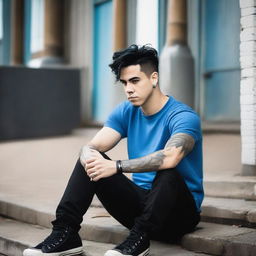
<point x="136" y="232"/>
<point x="55" y="234"/>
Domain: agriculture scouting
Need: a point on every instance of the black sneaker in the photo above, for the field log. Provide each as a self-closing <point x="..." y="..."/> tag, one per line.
<point x="62" y="241"/>
<point x="136" y="244"/>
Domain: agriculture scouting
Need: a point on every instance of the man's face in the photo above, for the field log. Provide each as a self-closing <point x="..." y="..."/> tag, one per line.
<point x="137" y="85"/>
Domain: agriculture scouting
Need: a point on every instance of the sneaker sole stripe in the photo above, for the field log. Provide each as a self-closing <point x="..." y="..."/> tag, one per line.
<point x="71" y="252"/>
<point x="116" y="253"/>
<point x="35" y="252"/>
<point x="78" y="253"/>
<point x="145" y="253"/>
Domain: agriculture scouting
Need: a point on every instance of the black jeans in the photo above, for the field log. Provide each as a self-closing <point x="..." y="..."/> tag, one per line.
<point x="166" y="212"/>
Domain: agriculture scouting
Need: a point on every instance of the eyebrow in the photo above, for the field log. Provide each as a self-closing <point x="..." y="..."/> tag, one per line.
<point x="132" y="78"/>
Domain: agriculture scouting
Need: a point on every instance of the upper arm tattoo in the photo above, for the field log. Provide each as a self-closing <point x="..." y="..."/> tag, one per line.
<point x="183" y="140"/>
<point x="152" y="162"/>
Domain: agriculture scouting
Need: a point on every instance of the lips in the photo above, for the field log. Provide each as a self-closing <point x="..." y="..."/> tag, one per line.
<point x="132" y="98"/>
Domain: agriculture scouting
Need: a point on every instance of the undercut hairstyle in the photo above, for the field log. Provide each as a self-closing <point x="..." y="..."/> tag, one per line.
<point x="145" y="56"/>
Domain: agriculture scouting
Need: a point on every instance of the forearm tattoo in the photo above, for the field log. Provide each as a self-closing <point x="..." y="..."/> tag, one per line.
<point x="153" y="161"/>
<point x="144" y="164"/>
<point x="183" y="140"/>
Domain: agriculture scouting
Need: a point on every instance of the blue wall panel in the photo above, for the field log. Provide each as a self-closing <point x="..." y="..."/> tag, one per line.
<point x="221" y="62"/>
<point x="102" y="78"/>
<point x="27" y="29"/>
<point x="223" y="96"/>
<point x="5" y="43"/>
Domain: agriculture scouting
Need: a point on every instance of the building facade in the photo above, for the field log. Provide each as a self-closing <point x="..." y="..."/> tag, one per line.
<point x="84" y="34"/>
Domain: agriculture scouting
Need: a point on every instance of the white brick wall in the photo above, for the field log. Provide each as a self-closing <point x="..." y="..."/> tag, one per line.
<point x="248" y="34"/>
<point x="248" y="81"/>
<point x="247" y="3"/>
<point x="248" y="11"/>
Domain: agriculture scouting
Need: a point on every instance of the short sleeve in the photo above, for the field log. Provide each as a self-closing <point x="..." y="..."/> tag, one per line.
<point x="116" y="120"/>
<point x="186" y="122"/>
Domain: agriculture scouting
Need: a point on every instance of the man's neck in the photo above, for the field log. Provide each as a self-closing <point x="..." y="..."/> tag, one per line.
<point x="155" y="103"/>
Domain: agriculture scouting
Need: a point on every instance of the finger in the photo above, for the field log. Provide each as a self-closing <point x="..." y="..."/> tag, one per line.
<point x="93" y="176"/>
<point x="90" y="160"/>
<point x="94" y="172"/>
<point x="91" y="165"/>
<point x="91" y="171"/>
<point x="91" y="168"/>
<point x="98" y="177"/>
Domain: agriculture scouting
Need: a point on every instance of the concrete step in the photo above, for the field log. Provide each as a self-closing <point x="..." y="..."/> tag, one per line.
<point x="239" y="187"/>
<point x="99" y="226"/>
<point x="229" y="211"/>
<point x="217" y="210"/>
<point x="223" y="211"/>
<point x="16" y="236"/>
<point x="219" y="239"/>
<point x="213" y="239"/>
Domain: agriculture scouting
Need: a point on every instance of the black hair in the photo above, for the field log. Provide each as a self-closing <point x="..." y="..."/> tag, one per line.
<point x="145" y="56"/>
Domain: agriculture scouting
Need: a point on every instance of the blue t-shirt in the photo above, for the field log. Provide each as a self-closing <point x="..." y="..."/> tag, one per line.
<point x="147" y="134"/>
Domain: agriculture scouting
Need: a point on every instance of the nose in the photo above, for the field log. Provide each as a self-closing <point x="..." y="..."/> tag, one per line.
<point x="129" y="89"/>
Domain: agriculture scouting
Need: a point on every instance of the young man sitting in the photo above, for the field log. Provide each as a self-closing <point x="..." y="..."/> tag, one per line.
<point x="163" y="199"/>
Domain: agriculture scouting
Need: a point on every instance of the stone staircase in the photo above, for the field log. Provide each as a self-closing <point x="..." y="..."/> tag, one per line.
<point x="25" y="225"/>
<point x="16" y="236"/>
<point x="228" y="211"/>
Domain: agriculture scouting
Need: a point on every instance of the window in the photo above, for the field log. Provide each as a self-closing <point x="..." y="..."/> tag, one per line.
<point x="37" y="26"/>
<point x="1" y="19"/>
<point x="147" y="22"/>
<point x="44" y="29"/>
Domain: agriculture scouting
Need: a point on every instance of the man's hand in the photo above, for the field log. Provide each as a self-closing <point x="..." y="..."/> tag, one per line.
<point x="99" y="167"/>
<point x="88" y="152"/>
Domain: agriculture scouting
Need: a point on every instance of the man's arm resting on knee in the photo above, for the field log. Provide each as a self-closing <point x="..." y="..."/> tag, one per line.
<point x="176" y="148"/>
<point x="103" y="141"/>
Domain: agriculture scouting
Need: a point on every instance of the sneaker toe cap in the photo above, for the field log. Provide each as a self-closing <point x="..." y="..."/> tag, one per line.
<point x="32" y="252"/>
<point x="113" y="253"/>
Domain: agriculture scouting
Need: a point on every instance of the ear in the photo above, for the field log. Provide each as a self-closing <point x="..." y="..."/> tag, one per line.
<point x="154" y="78"/>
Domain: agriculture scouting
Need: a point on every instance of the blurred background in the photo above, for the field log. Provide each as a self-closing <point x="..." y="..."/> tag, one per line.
<point x="56" y="91"/>
<point x="54" y="56"/>
<point x="65" y="46"/>
<point x="55" y="79"/>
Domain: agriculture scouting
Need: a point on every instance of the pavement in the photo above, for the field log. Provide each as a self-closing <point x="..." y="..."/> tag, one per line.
<point x="44" y="165"/>
<point x="34" y="174"/>
<point x="34" y="170"/>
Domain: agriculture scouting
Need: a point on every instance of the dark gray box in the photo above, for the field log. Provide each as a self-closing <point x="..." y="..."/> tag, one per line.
<point x="38" y="102"/>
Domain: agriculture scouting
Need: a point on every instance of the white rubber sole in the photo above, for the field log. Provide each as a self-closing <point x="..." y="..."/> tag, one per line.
<point x="37" y="252"/>
<point x="116" y="253"/>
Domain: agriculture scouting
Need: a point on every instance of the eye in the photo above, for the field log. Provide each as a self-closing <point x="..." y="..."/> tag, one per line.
<point x="135" y="81"/>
